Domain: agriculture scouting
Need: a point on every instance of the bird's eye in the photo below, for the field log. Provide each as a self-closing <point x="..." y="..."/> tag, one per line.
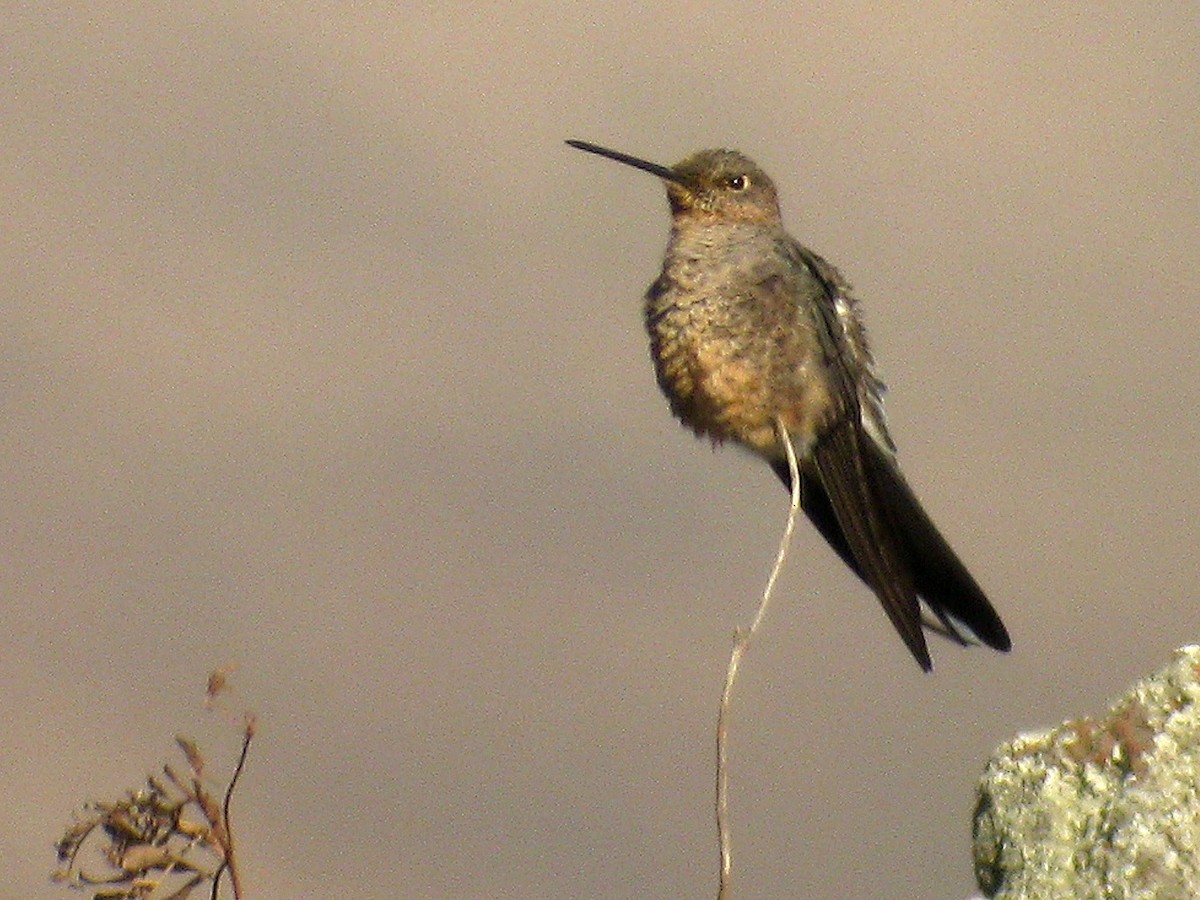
<point x="739" y="183"/>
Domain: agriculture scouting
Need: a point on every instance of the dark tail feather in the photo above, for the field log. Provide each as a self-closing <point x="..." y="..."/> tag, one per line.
<point x="902" y="538"/>
<point x="942" y="580"/>
<point x="869" y="533"/>
<point x="820" y="512"/>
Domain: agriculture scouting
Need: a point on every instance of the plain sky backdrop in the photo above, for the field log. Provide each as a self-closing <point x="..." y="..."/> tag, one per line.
<point x="322" y="355"/>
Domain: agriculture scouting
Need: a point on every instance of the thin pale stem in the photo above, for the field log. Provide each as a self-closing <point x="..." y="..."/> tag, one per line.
<point x="229" y="863"/>
<point x="741" y="642"/>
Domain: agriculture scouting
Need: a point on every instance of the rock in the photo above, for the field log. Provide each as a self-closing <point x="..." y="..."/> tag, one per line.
<point x="1100" y="808"/>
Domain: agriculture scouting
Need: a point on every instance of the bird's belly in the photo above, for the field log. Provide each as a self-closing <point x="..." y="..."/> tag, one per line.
<point x="730" y="392"/>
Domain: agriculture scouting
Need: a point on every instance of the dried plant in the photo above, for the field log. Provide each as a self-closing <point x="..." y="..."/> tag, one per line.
<point x="163" y="841"/>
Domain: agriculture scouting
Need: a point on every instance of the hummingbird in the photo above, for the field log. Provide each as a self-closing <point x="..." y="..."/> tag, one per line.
<point x="751" y="332"/>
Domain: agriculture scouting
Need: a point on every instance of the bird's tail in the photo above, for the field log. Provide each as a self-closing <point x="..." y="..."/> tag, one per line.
<point x="864" y="508"/>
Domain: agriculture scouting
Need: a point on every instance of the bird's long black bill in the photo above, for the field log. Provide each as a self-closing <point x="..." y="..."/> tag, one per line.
<point x="644" y="165"/>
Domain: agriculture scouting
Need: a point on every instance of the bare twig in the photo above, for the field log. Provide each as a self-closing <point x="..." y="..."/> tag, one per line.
<point x="741" y="643"/>
<point x="229" y="863"/>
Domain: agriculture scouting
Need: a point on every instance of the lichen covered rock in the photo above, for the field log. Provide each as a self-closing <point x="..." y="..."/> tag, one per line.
<point x="1105" y="808"/>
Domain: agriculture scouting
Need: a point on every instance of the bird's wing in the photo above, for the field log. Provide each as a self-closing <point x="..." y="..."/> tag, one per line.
<point x="848" y="341"/>
<point x="855" y="434"/>
<point x="894" y="544"/>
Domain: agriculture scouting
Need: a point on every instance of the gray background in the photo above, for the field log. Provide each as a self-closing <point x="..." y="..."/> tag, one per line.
<point x="322" y="355"/>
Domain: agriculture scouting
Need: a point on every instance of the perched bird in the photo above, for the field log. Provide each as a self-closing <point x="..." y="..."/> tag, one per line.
<point x="750" y="331"/>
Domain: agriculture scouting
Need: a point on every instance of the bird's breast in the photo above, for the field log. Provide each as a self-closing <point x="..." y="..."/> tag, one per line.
<point x="734" y="352"/>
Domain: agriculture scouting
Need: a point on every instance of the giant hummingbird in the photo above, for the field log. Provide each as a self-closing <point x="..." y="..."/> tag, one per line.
<point x="751" y="333"/>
